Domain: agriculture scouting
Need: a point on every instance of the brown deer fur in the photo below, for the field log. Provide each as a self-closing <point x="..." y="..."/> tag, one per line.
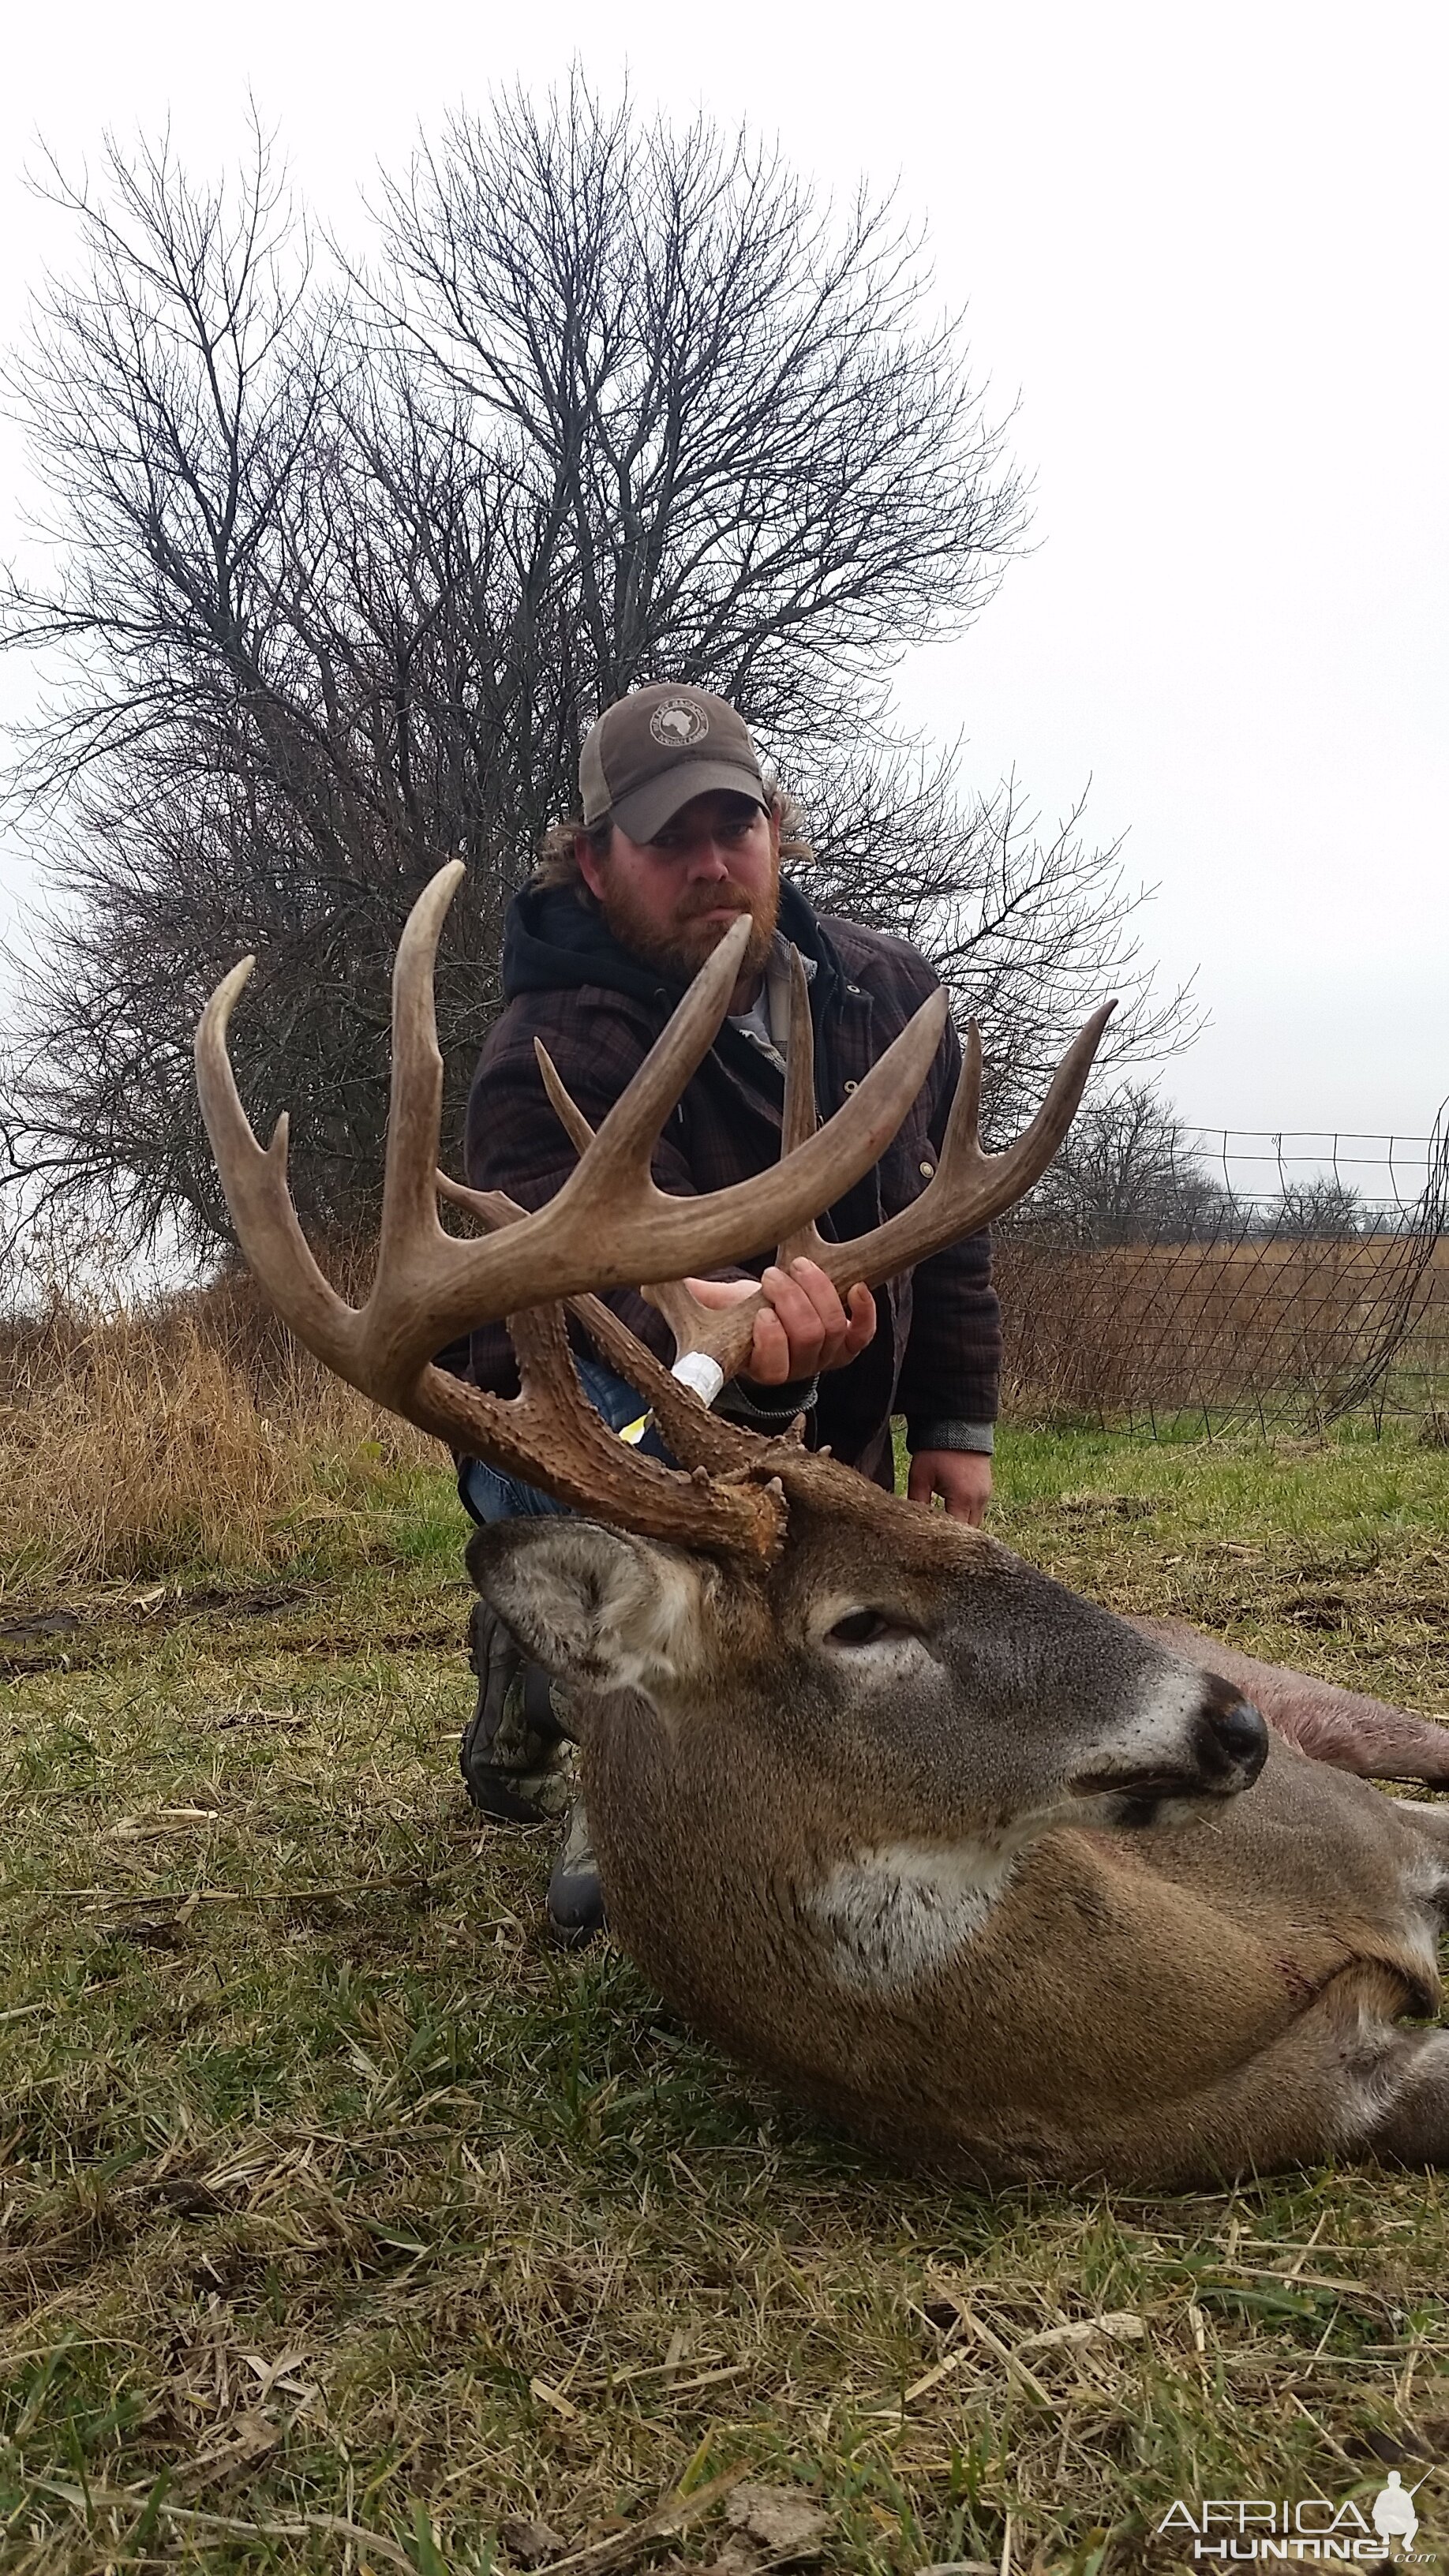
<point x="861" y="1870"/>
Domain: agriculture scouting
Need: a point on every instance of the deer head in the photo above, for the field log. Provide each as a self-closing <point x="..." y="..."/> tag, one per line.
<point x="944" y="1687"/>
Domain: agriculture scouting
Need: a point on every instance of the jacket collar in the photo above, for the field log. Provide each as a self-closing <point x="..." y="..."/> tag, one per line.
<point x="553" y="942"/>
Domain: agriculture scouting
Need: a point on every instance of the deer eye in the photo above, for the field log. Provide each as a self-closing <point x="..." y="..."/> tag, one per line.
<point x="860" y="1628"/>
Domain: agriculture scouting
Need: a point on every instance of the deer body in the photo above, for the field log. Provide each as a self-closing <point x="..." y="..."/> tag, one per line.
<point x="858" y="1869"/>
<point x="1112" y="2006"/>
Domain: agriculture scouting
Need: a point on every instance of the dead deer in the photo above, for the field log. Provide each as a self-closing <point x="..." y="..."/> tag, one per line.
<point x="962" y="1861"/>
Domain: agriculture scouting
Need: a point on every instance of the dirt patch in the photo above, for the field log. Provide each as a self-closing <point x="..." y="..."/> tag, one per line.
<point x="236" y="1605"/>
<point x="40" y="1623"/>
<point x="75" y="1637"/>
<point x="393" y="1641"/>
<point x="62" y="1637"/>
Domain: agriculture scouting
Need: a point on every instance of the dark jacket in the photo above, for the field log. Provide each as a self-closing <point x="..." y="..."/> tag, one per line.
<point x="936" y="1352"/>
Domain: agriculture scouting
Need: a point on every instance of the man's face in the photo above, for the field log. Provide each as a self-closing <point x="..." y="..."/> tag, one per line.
<point x="671" y="900"/>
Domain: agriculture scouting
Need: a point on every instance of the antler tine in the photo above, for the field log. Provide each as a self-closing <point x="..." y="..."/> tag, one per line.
<point x="415" y="1103"/>
<point x="680" y="1051"/>
<point x="627" y="1136"/>
<point x="688" y="1321"/>
<point x="564" y="1106"/>
<point x="1023" y="1163"/>
<point x="965" y="1117"/>
<point x="800" y="1117"/>
<point x="799" y="1121"/>
<point x="970" y="1188"/>
<point x="255" y="1182"/>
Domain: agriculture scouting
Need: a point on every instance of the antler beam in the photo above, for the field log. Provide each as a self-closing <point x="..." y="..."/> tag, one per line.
<point x="609" y="1226"/>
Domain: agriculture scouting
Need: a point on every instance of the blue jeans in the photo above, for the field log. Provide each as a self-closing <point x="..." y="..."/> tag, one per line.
<point x="488" y="1495"/>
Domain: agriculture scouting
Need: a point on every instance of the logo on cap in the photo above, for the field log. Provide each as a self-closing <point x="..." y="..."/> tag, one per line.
<point x="678" y="724"/>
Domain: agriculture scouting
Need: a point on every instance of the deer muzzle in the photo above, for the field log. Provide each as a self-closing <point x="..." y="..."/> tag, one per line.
<point x="1223" y="1748"/>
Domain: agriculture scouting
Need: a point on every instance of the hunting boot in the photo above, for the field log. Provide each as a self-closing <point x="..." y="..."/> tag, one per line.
<point x="575" y="1894"/>
<point x="515" y="1757"/>
<point x="518" y="1761"/>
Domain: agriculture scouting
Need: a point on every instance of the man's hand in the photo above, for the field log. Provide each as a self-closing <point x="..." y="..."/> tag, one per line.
<point x="962" y="1477"/>
<point x="803" y="1328"/>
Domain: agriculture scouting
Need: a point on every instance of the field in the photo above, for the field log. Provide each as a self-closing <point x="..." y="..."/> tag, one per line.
<point x="348" y="2226"/>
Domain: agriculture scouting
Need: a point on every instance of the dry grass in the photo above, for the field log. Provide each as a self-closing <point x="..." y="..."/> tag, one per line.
<point x="1159" y="1329"/>
<point x="344" y="2222"/>
<point x="136" y="1442"/>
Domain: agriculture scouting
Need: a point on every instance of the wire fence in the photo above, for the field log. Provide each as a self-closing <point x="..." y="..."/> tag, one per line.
<point x="1242" y="1278"/>
<point x="1166" y="1280"/>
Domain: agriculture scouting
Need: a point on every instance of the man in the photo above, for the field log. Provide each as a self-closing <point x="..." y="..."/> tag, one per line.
<point x="679" y="834"/>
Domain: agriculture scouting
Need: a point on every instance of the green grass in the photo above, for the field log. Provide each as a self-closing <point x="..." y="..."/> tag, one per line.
<point x="1331" y="1555"/>
<point x="332" y="2196"/>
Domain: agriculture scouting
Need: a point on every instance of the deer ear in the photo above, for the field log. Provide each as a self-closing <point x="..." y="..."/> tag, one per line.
<point x="592" y="1605"/>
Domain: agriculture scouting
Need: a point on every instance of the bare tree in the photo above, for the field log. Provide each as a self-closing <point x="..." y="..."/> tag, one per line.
<point x="1129" y="1173"/>
<point x="1028" y="930"/>
<point x="347" y="563"/>
<point x="774" y="472"/>
<point x="294" y="666"/>
<point x="1324" y="1209"/>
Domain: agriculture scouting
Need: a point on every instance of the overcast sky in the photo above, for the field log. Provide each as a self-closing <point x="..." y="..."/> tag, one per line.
<point x="1204" y="248"/>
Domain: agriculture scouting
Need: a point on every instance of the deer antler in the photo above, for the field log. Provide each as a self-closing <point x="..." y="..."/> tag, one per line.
<point x="968" y="1189"/>
<point x="607" y="1227"/>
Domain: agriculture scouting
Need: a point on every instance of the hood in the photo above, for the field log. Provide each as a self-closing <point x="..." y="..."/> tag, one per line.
<point x="552" y="941"/>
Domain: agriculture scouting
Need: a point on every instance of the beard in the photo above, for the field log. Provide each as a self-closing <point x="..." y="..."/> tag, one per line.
<point x="680" y="948"/>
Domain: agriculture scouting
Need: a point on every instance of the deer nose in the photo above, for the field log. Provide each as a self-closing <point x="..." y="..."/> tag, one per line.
<point x="1232" y="1740"/>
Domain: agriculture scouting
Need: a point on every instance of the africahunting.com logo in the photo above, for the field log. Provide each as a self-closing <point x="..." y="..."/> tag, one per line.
<point x="1315" y="2532"/>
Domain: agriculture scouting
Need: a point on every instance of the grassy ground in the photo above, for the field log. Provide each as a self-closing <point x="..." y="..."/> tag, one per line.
<point x="344" y="2222"/>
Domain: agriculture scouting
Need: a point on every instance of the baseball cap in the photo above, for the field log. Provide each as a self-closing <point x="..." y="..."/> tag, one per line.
<point x="650" y="752"/>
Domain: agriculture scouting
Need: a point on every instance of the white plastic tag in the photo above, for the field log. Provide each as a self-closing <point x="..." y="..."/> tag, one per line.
<point x="701" y="1374"/>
